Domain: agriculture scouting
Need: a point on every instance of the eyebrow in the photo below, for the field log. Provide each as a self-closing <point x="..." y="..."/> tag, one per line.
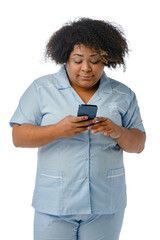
<point x="92" y="55"/>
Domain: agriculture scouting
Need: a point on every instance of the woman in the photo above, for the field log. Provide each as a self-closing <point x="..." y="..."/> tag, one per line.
<point x="80" y="190"/>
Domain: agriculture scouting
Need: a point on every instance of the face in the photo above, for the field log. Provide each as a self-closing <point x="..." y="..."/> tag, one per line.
<point x="84" y="68"/>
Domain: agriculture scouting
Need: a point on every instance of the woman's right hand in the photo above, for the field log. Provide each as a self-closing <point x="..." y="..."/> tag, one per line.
<point x="71" y="125"/>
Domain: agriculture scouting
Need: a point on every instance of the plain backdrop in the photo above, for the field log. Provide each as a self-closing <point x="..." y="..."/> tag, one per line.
<point x="25" y="29"/>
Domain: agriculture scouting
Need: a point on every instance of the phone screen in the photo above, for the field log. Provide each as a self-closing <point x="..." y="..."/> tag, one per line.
<point x="87" y="110"/>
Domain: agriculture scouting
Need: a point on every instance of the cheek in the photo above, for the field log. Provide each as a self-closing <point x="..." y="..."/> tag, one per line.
<point x="72" y="70"/>
<point x="99" y="74"/>
<point x="98" y="70"/>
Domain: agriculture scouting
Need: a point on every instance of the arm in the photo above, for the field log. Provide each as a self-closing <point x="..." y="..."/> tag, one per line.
<point x="28" y="135"/>
<point x="130" y="140"/>
<point x="31" y="136"/>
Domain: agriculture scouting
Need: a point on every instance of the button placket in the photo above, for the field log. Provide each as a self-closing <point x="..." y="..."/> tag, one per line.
<point x="87" y="157"/>
<point x="86" y="178"/>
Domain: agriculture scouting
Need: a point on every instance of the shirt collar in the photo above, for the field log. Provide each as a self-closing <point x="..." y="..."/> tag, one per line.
<point x="61" y="77"/>
<point x="105" y="84"/>
<point x="62" y="81"/>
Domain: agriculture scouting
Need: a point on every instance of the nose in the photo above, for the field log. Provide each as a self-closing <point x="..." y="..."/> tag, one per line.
<point x="86" y="66"/>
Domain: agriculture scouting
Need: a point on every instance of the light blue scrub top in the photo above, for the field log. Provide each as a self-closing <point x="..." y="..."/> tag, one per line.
<point x="85" y="173"/>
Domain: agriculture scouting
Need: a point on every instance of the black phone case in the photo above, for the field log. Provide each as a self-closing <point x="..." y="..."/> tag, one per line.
<point x="87" y="110"/>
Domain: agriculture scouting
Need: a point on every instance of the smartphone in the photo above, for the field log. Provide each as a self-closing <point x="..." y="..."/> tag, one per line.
<point x="87" y="110"/>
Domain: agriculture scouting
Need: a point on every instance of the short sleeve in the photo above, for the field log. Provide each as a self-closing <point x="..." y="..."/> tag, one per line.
<point x="132" y="118"/>
<point x="28" y="110"/>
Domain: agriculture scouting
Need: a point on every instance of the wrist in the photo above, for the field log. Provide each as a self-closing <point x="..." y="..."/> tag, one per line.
<point x="57" y="130"/>
<point x="122" y="133"/>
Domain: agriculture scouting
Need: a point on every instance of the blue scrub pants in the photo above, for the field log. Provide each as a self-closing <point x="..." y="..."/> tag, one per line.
<point x="78" y="227"/>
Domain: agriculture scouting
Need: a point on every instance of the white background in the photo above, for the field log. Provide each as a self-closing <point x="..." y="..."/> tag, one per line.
<point x="25" y="28"/>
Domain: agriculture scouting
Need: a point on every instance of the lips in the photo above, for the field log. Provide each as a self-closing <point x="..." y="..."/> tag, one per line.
<point x="86" y="77"/>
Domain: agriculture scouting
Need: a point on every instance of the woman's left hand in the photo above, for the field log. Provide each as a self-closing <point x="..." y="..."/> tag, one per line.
<point x="107" y="126"/>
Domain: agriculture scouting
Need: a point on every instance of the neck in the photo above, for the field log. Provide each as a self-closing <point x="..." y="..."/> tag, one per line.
<point x="85" y="90"/>
<point x="86" y="94"/>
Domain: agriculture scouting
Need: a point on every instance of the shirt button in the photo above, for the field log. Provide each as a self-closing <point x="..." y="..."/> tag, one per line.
<point x="86" y="159"/>
<point x="86" y="178"/>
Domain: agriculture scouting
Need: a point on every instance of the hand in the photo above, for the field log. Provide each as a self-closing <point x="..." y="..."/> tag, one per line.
<point x="70" y="125"/>
<point x="107" y="126"/>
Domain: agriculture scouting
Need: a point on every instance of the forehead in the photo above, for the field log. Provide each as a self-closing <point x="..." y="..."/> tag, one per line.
<point x="83" y="51"/>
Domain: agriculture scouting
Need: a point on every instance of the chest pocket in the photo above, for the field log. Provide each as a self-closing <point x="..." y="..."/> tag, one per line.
<point x="113" y="112"/>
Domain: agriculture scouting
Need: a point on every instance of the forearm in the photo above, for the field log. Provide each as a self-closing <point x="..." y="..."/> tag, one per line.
<point x="132" y="140"/>
<point x="32" y="136"/>
<point x="28" y="135"/>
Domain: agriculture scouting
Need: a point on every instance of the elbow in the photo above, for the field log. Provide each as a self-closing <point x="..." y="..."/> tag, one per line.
<point x="140" y="150"/>
<point x="139" y="145"/>
<point x="15" y="136"/>
<point x="15" y="142"/>
<point x="135" y="149"/>
<point x="16" y="145"/>
<point x="142" y="145"/>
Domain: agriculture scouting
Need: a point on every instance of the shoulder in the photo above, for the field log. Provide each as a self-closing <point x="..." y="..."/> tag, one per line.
<point x="115" y="87"/>
<point x="57" y="80"/>
<point x="44" y="81"/>
<point x="123" y="92"/>
<point x="120" y="88"/>
<point x="120" y="92"/>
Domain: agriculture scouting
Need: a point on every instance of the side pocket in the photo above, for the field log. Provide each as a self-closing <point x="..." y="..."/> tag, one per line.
<point x="116" y="189"/>
<point x="48" y="189"/>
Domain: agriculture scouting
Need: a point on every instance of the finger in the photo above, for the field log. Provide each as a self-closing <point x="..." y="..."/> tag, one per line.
<point x="84" y="123"/>
<point x="100" y="129"/>
<point x="108" y="132"/>
<point x="80" y="119"/>
<point x="80" y="129"/>
<point x="97" y="125"/>
<point x="100" y="119"/>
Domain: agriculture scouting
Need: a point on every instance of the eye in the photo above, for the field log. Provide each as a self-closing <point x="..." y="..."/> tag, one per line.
<point x="94" y="62"/>
<point x="78" y="62"/>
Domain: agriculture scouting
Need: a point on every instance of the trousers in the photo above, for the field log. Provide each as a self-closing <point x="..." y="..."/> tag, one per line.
<point x="78" y="227"/>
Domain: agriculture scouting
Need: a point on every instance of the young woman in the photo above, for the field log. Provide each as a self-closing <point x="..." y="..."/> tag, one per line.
<point x="80" y="190"/>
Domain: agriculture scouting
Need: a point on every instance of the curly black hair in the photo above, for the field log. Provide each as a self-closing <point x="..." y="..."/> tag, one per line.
<point x="106" y="38"/>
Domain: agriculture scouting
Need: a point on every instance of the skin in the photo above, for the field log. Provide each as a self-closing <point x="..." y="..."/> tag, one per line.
<point x="84" y="70"/>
